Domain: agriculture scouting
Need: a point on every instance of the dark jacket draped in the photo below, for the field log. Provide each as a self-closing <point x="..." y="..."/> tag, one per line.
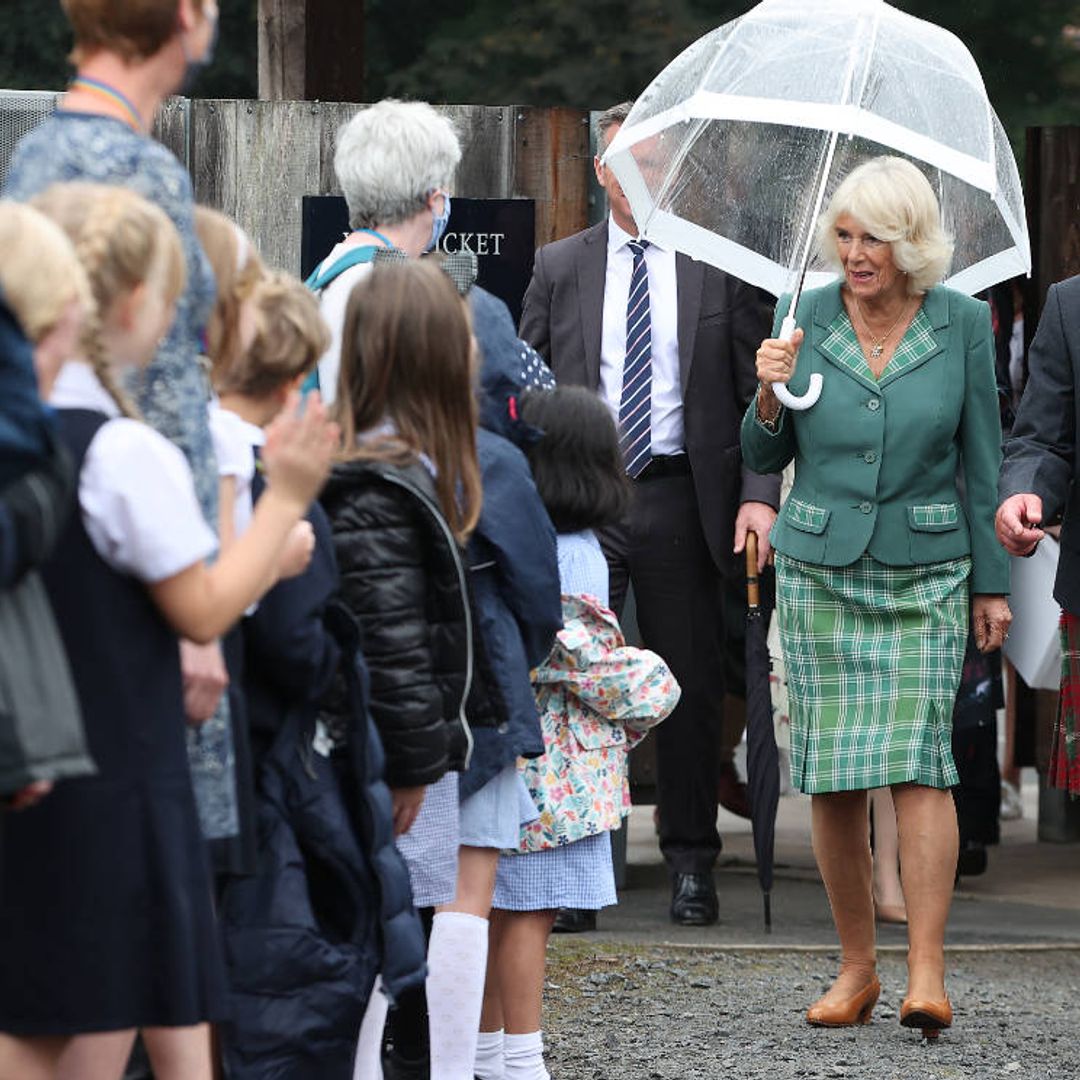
<point x="403" y="579"/>
<point x="329" y="905"/>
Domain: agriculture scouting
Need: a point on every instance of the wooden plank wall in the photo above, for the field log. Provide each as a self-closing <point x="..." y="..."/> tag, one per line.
<point x="255" y="160"/>
<point x="1052" y="190"/>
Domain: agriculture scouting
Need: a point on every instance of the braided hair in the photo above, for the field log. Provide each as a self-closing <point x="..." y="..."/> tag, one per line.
<point x="120" y="238"/>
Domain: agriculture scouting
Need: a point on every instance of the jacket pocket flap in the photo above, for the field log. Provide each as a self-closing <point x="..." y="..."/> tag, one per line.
<point x="806" y="516"/>
<point x="934" y="517"/>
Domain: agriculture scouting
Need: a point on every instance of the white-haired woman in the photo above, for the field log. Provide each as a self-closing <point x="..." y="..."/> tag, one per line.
<point x="880" y="558"/>
<point x="394" y="161"/>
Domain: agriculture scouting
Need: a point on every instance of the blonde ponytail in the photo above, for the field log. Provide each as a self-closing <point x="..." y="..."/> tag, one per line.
<point x="40" y="274"/>
<point x="120" y="239"/>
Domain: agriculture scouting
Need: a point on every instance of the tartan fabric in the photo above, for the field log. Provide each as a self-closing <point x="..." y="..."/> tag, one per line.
<point x="806" y="514"/>
<point x="843" y="346"/>
<point x="1064" y="771"/>
<point x="873" y="656"/>
<point x="933" y="515"/>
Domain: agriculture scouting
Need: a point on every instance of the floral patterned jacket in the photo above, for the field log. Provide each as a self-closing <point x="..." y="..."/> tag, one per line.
<point x="598" y="697"/>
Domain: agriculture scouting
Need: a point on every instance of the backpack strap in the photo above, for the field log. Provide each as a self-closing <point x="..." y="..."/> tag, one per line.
<point x="319" y="280"/>
<point x="320" y="277"/>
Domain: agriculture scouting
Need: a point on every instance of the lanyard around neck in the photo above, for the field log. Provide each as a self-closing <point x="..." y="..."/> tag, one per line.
<point x="109" y="93"/>
<point x="379" y="236"/>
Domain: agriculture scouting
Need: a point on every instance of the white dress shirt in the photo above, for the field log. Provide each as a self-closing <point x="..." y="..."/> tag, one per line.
<point x="667" y="404"/>
<point x="136" y="492"/>
<point x="234" y="441"/>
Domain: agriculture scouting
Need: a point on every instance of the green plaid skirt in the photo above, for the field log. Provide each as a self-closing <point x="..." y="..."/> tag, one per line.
<point x="873" y="656"/>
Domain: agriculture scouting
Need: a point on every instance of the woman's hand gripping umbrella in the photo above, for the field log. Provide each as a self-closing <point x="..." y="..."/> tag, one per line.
<point x="730" y="154"/>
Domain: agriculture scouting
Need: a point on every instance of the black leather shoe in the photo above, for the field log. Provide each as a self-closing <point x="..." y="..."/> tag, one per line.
<point x="693" y="900"/>
<point x="573" y="921"/>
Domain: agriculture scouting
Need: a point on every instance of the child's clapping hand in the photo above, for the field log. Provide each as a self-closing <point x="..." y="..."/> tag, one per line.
<point x="299" y="548"/>
<point x="299" y="448"/>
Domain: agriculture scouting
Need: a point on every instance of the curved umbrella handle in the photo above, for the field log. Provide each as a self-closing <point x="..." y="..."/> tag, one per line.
<point x="783" y="394"/>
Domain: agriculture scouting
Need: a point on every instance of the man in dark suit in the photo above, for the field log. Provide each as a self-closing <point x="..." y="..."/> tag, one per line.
<point x="670" y="344"/>
<point x="1042" y="455"/>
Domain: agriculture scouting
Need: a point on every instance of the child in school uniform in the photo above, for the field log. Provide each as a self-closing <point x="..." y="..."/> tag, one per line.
<point x="402" y="501"/>
<point x="228" y="335"/>
<point x="597" y="699"/>
<point x="323" y="819"/>
<point x="44" y="298"/>
<point x="106" y="925"/>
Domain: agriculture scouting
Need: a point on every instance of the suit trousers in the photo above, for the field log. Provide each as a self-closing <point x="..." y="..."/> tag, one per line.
<point x="660" y="550"/>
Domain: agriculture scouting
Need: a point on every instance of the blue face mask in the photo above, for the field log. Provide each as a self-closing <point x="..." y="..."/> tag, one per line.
<point x="195" y="67"/>
<point x="439" y="223"/>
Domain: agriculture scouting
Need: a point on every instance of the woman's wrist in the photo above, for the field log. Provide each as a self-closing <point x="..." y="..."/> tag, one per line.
<point x="768" y="405"/>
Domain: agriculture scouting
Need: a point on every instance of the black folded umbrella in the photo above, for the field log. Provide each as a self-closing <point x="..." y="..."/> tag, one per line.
<point x="762" y="758"/>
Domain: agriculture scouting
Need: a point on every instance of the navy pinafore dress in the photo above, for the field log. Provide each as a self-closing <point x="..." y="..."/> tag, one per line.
<point x="106" y="918"/>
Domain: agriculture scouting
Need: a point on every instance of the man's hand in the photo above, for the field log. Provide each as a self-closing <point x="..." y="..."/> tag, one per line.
<point x="205" y="680"/>
<point x="1016" y="523"/>
<point x="755" y="517"/>
<point x="30" y="795"/>
<point x="406" y="802"/>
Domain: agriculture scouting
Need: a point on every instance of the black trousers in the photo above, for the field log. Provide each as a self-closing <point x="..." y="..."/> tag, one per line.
<point x="661" y="551"/>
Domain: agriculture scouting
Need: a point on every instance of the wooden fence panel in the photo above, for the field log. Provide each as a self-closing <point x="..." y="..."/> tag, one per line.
<point x="255" y="160"/>
<point x="487" y="140"/>
<point x="552" y="162"/>
<point x="1053" y="199"/>
<point x="172" y="127"/>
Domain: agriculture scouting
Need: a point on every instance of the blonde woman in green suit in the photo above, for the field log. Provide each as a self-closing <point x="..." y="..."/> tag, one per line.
<point x="880" y="559"/>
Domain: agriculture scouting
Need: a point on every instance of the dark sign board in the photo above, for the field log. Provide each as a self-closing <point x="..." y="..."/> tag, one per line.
<point x="500" y="232"/>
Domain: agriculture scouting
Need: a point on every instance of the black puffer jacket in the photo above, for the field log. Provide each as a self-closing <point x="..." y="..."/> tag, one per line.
<point x="403" y="579"/>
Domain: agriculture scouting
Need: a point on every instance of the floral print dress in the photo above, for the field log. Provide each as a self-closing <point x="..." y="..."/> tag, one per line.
<point x="172" y="392"/>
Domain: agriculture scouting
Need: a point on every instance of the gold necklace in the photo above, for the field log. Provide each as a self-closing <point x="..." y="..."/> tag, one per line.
<point x="879" y="342"/>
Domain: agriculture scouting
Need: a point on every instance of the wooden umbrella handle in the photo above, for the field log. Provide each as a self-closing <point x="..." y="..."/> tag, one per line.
<point x="753" y="585"/>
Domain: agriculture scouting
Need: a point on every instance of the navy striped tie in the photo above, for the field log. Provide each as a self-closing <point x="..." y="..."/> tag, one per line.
<point x="635" y="401"/>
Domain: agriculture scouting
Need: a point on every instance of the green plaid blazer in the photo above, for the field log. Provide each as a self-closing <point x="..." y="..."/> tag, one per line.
<point x="877" y="460"/>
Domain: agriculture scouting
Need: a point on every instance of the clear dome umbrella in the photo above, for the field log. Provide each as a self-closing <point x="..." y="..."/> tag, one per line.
<point x="732" y="151"/>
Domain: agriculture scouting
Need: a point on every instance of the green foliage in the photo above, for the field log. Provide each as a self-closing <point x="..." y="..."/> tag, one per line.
<point x="35" y="41"/>
<point x="565" y="52"/>
<point x="560" y="52"/>
<point x="1029" y="59"/>
<point x="546" y="52"/>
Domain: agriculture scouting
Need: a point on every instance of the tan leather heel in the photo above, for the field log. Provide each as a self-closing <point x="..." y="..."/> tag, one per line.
<point x="848" y="1012"/>
<point x="932" y="1016"/>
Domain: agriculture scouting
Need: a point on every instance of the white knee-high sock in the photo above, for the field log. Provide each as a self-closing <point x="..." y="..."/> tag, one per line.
<point x="489" y="1055"/>
<point x="523" y="1057"/>
<point x="457" y="968"/>
<point x="368" y="1064"/>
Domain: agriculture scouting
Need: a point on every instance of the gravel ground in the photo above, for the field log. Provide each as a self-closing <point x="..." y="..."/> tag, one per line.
<point x="616" y="1012"/>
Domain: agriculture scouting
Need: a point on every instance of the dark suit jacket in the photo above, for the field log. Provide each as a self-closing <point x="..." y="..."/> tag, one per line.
<point x="721" y="323"/>
<point x="1041" y="454"/>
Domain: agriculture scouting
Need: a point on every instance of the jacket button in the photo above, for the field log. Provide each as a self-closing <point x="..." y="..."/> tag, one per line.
<point x="873" y="404"/>
<point x="869" y="457"/>
<point x="866" y="507"/>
